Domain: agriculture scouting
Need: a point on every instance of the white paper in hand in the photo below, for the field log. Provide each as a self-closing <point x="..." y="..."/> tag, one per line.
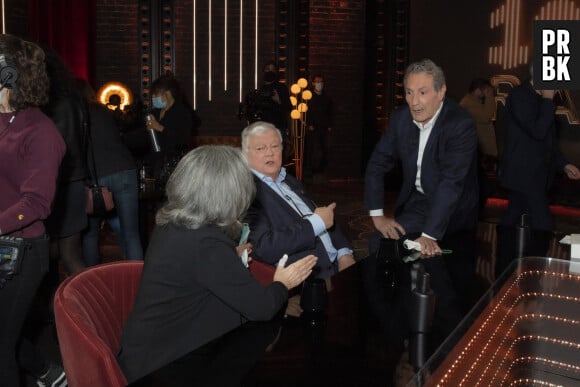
<point x="411" y="245"/>
<point x="244" y="258"/>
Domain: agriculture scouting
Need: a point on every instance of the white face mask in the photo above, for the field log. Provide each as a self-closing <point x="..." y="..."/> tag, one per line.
<point x="318" y="86"/>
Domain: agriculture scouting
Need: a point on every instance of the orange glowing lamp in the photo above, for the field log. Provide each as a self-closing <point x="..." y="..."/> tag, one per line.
<point x="110" y="89"/>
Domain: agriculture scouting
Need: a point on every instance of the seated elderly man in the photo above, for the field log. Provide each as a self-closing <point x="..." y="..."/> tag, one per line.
<point x="282" y="219"/>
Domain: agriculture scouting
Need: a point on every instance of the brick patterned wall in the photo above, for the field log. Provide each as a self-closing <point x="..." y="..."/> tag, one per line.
<point x="117" y="54"/>
<point x="219" y="116"/>
<point x="337" y="50"/>
<point x="16" y="18"/>
<point x="117" y="44"/>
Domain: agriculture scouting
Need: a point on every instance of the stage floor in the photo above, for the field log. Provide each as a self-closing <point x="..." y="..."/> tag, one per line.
<point x="352" y="216"/>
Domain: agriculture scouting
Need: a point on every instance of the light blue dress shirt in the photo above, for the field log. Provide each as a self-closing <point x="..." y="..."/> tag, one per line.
<point x="294" y="200"/>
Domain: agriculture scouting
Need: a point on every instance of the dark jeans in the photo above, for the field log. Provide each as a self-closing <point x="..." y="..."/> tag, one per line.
<point x="538" y="222"/>
<point x="124" y="220"/>
<point x="315" y="155"/>
<point x="15" y="300"/>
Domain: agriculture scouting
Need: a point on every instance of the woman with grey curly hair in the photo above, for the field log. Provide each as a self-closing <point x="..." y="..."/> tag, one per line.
<point x="209" y="185"/>
<point x="194" y="286"/>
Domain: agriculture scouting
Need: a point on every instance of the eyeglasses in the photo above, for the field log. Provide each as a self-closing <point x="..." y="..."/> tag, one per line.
<point x="261" y="149"/>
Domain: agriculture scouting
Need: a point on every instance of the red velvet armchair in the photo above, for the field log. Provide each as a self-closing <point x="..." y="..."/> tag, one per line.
<point x="90" y="309"/>
<point x="263" y="272"/>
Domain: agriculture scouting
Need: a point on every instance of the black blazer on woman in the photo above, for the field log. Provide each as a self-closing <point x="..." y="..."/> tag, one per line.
<point x="194" y="289"/>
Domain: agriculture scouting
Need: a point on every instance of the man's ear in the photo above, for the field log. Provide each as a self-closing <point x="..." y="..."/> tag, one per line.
<point x="442" y="92"/>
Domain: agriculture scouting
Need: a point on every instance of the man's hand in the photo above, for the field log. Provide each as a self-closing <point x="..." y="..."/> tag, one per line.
<point x="276" y="97"/>
<point x="345" y="261"/>
<point x="572" y="172"/>
<point x="548" y="94"/>
<point x="429" y="247"/>
<point x="327" y="214"/>
<point x="388" y="227"/>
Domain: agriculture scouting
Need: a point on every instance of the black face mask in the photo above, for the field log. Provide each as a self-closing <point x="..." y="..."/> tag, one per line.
<point x="269" y="76"/>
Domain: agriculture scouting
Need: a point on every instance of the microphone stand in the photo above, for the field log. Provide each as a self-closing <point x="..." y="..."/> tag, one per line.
<point x="422" y="309"/>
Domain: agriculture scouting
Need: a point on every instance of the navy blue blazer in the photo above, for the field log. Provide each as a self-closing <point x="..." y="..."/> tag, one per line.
<point x="448" y="169"/>
<point x="277" y="229"/>
<point x="531" y="154"/>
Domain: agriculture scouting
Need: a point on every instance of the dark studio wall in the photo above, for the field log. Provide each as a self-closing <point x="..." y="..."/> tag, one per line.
<point x="454" y="33"/>
<point x="16" y="17"/>
<point x="457" y="35"/>
<point x="336" y="49"/>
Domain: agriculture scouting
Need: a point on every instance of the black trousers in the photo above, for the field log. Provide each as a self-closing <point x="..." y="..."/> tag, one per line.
<point x="315" y="155"/>
<point x="15" y="300"/>
<point x="533" y="203"/>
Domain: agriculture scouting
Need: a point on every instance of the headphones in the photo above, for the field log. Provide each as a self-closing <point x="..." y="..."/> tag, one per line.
<point x="8" y="73"/>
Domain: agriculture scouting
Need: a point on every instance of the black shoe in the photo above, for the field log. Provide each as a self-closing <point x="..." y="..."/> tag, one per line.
<point x="55" y="377"/>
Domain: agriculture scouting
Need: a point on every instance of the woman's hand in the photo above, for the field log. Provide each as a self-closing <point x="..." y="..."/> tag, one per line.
<point x="294" y="274"/>
<point x="152" y="123"/>
<point x="240" y="248"/>
<point x="572" y="172"/>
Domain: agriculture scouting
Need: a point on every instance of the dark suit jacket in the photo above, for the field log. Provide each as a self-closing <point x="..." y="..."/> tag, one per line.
<point x="531" y="155"/>
<point x="277" y="229"/>
<point x="194" y="288"/>
<point x="448" y="171"/>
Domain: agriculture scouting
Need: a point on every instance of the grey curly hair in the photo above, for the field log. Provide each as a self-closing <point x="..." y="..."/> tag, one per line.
<point x="211" y="185"/>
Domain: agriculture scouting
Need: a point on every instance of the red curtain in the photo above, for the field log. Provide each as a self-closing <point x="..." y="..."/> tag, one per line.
<point x="68" y="27"/>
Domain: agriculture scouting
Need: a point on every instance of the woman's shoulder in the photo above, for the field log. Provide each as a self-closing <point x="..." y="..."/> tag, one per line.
<point x="38" y="124"/>
<point x="176" y="234"/>
<point x="186" y="245"/>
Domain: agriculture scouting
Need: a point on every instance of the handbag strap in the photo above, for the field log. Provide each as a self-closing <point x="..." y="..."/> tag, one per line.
<point x="87" y="129"/>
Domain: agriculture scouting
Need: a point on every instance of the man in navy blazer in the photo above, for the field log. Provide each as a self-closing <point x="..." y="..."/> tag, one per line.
<point x="282" y="219"/>
<point x="435" y="143"/>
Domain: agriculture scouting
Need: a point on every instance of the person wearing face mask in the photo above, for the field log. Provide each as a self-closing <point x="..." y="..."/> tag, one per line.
<point x="171" y="119"/>
<point x="319" y="119"/>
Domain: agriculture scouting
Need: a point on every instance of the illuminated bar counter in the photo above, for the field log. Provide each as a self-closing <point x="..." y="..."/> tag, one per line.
<point x="524" y="331"/>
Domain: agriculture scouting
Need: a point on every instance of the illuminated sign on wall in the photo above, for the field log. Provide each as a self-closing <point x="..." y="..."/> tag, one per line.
<point x="511" y="52"/>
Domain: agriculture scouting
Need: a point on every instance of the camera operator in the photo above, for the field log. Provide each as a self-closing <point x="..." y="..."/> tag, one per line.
<point x="271" y="102"/>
